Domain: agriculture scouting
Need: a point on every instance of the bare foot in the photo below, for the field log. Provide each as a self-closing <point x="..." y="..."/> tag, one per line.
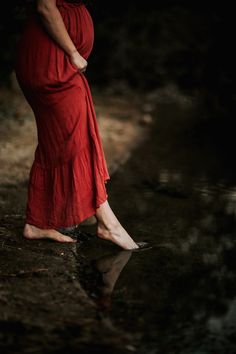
<point x="116" y="234"/>
<point x="32" y="232"/>
<point x="109" y="228"/>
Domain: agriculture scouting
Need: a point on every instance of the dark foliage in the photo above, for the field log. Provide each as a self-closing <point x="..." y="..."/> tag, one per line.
<point x="148" y="44"/>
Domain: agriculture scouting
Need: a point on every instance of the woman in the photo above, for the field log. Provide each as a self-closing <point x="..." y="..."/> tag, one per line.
<point x="69" y="171"/>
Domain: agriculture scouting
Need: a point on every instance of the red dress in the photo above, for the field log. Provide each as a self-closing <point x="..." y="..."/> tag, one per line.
<point x="68" y="175"/>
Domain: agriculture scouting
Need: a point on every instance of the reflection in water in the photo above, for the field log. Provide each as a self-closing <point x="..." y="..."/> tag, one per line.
<point x="108" y="269"/>
<point x="171" y="182"/>
<point x="183" y="201"/>
<point x="227" y="322"/>
<point x="188" y="289"/>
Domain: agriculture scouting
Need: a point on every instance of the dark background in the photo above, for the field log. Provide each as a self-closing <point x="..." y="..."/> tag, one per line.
<point x="147" y="45"/>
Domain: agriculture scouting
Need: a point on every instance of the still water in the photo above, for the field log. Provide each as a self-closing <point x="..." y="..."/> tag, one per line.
<point x="178" y="193"/>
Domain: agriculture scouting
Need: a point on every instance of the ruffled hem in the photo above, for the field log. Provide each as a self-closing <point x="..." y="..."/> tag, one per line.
<point x="74" y="220"/>
<point x="66" y="195"/>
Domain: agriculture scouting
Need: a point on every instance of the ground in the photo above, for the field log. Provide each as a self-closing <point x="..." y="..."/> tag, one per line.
<point x="43" y="305"/>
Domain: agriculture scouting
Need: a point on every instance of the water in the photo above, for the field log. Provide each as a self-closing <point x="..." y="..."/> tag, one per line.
<point x="179" y="194"/>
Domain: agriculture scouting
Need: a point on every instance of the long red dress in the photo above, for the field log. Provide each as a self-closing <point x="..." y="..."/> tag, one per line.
<point x="68" y="175"/>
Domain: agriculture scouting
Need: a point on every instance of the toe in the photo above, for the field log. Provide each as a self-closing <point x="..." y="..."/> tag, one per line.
<point x="66" y="239"/>
<point x="60" y="238"/>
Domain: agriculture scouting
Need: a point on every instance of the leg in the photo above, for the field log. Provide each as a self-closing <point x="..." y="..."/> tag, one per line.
<point x="32" y="232"/>
<point x="109" y="228"/>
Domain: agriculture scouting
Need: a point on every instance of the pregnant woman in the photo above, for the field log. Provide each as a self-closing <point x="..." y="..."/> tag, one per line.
<point x="67" y="182"/>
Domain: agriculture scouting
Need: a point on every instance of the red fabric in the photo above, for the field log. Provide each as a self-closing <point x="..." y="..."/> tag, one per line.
<point x="68" y="175"/>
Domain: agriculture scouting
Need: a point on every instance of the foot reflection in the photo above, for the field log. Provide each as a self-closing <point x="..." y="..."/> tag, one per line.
<point x="109" y="267"/>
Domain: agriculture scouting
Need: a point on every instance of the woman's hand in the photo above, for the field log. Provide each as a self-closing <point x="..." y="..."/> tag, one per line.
<point x="54" y="24"/>
<point x="78" y="61"/>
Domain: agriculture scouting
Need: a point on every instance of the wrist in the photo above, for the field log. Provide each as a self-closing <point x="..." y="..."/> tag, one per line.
<point x="73" y="52"/>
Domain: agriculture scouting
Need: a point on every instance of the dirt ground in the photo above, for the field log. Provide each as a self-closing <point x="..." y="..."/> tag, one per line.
<point x="43" y="307"/>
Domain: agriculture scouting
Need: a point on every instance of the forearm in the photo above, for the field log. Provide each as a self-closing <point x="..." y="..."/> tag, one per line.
<point x="54" y="24"/>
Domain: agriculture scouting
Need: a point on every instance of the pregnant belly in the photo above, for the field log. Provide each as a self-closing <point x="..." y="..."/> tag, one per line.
<point x="40" y="60"/>
<point x="79" y="24"/>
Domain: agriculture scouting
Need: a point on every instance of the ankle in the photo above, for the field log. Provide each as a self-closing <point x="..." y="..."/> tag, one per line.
<point x="109" y="226"/>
